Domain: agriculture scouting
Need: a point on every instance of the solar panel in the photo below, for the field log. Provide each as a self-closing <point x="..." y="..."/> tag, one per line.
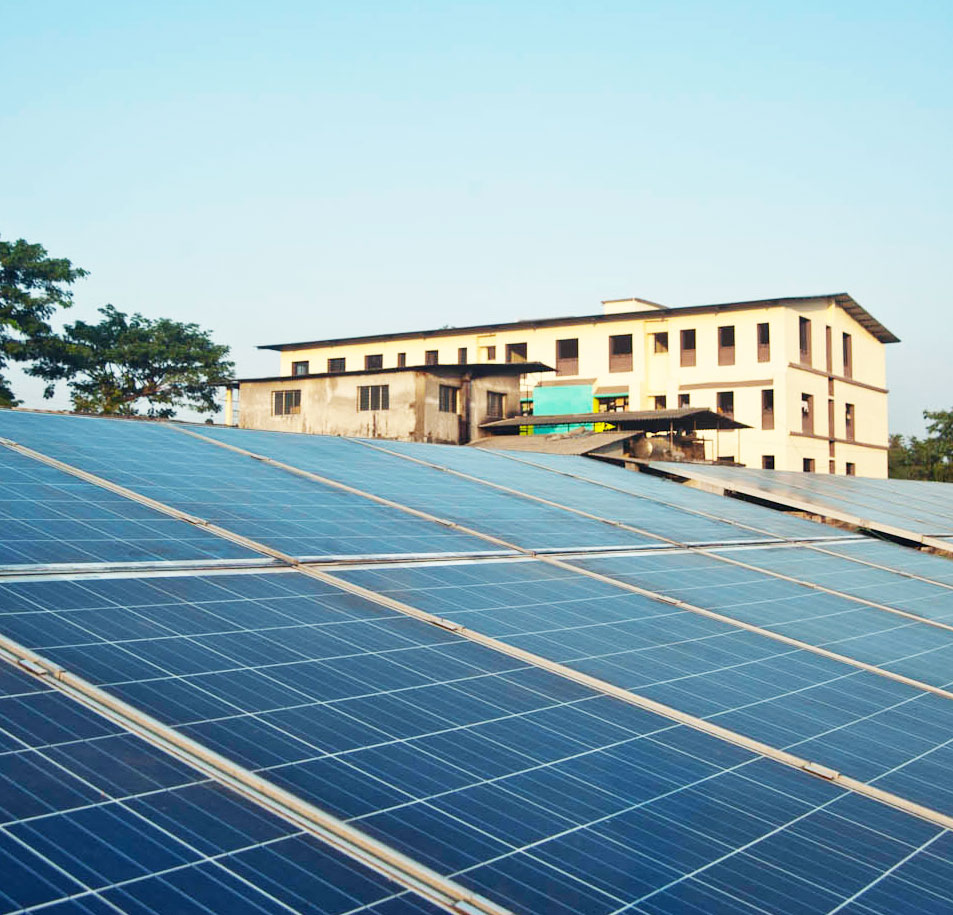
<point x="435" y="491"/>
<point x="48" y="516"/>
<point x="840" y="572"/>
<point x="296" y="516"/>
<point x="529" y="524"/>
<point x="869" y="635"/>
<point x="538" y="792"/>
<point x="94" y="819"/>
<point x="901" y="559"/>
<point x="852" y="720"/>
<point x="648" y="486"/>
<point x="916" y="507"/>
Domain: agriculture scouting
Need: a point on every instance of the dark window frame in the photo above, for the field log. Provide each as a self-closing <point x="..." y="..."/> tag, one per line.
<point x="620" y="352"/>
<point x="495" y="404"/>
<point x="767" y="409"/>
<point x="764" y="342"/>
<point x="286" y="402"/>
<point x="448" y="399"/>
<point x="296" y="367"/>
<point x="373" y="362"/>
<point x="567" y="356"/>
<point x="688" y="354"/>
<point x="726" y="344"/>
<point x="373" y="398"/>
<point x="336" y="365"/>
<point x="516" y="352"/>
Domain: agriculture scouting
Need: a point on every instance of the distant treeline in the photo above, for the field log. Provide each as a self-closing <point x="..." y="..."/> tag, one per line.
<point x="930" y="458"/>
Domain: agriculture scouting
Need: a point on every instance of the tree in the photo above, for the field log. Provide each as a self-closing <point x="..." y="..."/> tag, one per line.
<point x="32" y="287"/>
<point x="113" y="365"/>
<point x="928" y="458"/>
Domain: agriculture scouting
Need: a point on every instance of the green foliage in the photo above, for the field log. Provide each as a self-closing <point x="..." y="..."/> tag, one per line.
<point x="32" y="287"/>
<point x="928" y="458"/>
<point x="123" y="360"/>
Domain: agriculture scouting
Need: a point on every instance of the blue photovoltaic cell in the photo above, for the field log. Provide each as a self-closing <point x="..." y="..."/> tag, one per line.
<point x="288" y="513"/>
<point x="524" y="522"/>
<point x="909" y="647"/>
<point x="927" y="599"/>
<point x="93" y="819"/>
<point x="759" y="519"/>
<point x="862" y="724"/>
<point x="541" y="794"/>
<point x="432" y="490"/>
<point x="917" y="506"/>
<point x="902" y="559"/>
<point x="48" y="516"/>
<point x="658" y="519"/>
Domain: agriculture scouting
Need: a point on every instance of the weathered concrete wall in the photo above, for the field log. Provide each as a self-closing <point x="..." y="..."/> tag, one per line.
<point x="329" y="406"/>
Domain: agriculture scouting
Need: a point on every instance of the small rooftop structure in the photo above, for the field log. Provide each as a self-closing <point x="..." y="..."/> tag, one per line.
<point x="684" y="419"/>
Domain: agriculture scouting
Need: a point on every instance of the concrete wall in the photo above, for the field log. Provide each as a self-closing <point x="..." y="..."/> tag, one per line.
<point x="654" y="374"/>
<point x="329" y="406"/>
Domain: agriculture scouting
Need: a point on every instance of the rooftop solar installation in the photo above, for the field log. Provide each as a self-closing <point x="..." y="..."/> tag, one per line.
<point x="915" y="509"/>
<point x="518" y="784"/>
<point x="380" y="470"/>
<point x="49" y="517"/>
<point x="95" y="819"/>
<point x="507" y="686"/>
<point x="860" y="723"/>
<point x="755" y="517"/>
<point x="302" y="518"/>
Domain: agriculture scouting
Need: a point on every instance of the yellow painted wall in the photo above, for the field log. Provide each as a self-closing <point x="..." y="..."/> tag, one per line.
<point x="656" y="374"/>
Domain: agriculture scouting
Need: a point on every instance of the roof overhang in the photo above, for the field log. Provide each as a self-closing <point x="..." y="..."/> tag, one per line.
<point x="685" y="419"/>
<point x="470" y="370"/>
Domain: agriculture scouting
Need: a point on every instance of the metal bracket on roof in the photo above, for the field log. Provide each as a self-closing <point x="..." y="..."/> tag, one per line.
<point x="447" y="624"/>
<point x="825" y="772"/>
<point x="33" y="667"/>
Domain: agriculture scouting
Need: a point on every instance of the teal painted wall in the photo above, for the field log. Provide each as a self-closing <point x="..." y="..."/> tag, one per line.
<point x="563" y="398"/>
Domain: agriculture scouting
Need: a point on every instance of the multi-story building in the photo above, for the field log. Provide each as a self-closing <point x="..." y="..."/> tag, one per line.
<point x="808" y="374"/>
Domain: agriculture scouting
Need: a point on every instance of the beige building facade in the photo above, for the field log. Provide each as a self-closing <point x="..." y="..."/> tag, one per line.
<point x="444" y="404"/>
<point x="808" y="375"/>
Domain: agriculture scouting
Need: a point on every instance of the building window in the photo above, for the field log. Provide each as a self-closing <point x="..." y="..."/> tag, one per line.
<point x="285" y="403"/>
<point x="767" y="408"/>
<point x="726" y="403"/>
<point x="848" y="347"/>
<point x="764" y="342"/>
<point x="613" y="404"/>
<point x="807" y="414"/>
<point x="299" y="368"/>
<point x="462" y="356"/>
<point x="620" y="353"/>
<point x="684" y="400"/>
<point x="335" y="365"/>
<point x="401" y="360"/>
<point x="807" y="465"/>
<point x="688" y="347"/>
<point x="851" y="469"/>
<point x="849" y="421"/>
<point x="830" y="467"/>
<point x="488" y="353"/>
<point x="660" y="401"/>
<point x="430" y="357"/>
<point x="726" y="345"/>
<point x="567" y="357"/>
<point x="804" y="340"/>
<point x="515" y="352"/>
<point x="660" y="342"/>
<point x="767" y="462"/>
<point x="495" y="404"/>
<point x="373" y="397"/>
<point x="373" y="362"/>
<point x="447" y="398"/>
<point x="526" y="406"/>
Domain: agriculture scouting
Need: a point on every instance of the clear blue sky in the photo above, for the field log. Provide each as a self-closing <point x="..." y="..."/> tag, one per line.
<point x="291" y="170"/>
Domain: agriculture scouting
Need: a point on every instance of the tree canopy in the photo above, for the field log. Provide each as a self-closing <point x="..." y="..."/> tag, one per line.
<point x="929" y="458"/>
<point x="115" y="365"/>
<point x="32" y="286"/>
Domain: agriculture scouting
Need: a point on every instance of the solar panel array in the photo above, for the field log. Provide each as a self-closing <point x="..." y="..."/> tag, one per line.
<point x="914" y="509"/>
<point x="542" y="685"/>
